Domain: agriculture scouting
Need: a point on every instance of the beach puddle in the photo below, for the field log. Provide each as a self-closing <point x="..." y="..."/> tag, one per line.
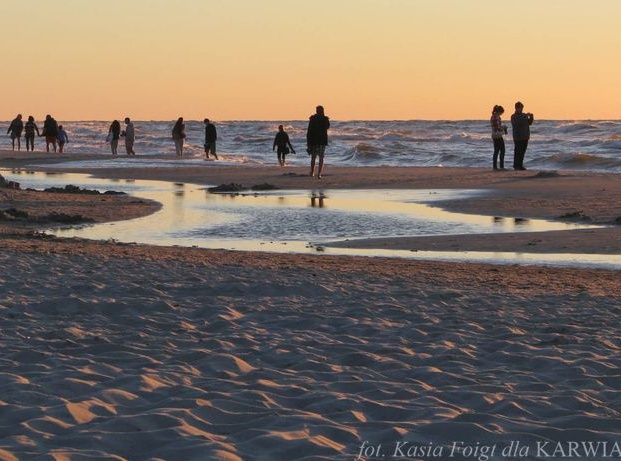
<point x="299" y="221"/>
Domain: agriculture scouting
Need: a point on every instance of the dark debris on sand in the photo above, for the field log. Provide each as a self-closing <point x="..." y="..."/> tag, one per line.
<point x="16" y="215"/>
<point x="235" y="188"/>
<point x="71" y="189"/>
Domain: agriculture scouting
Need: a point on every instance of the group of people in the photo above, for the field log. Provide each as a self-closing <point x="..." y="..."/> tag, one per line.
<point x="56" y="137"/>
<point x="211" y="136"/>
<point x="520" y="124"/>
<point x="316" y="140"/>
<point x="316" y="137"/>
<point x="115" y="133"/>
<point x="54" y="133"/>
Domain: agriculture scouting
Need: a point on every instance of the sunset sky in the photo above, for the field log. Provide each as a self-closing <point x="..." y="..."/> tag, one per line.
<point x="276" y="60"/>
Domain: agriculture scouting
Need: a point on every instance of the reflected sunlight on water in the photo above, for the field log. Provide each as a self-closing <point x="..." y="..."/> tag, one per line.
<point x="297" y="220"/>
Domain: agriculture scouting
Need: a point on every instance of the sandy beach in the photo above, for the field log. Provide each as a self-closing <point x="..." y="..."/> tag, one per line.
<point x="127" y="351"/>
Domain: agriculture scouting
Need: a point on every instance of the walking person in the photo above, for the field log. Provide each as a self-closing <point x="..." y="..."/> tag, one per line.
<point x="30" y="128"/>
<point x="15" y="130"/>
<point x="317" y="140"/>
<point x="130" y="136"/>
<point x="62" y="139"/>
<point x="50" y="131"/>
<point x="114" y="134"/>
<point x="178" y="135"/>
<point x="211" y="136"/>
<point x="498" y="129"/>
<point x="282" y="142"/>
<point x="520" y="122"/>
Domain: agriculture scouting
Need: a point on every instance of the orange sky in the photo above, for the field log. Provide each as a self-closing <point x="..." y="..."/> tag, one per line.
<point x="269" y="60"/>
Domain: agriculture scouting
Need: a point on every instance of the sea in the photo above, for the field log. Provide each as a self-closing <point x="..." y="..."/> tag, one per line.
<point x="590" y="145"/>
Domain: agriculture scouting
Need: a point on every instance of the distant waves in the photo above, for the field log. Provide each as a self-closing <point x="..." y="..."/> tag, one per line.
<point x="579" y="145"/>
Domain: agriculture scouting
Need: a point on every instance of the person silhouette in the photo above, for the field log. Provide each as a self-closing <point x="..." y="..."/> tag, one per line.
<point x="50" y="131"/>
<point x="498" y="129"/>
<point x="317" y="140"/>
<point x="283" y="145"/>
<point x="114" y="133"/>
<point x="30" y="128"/>
<point x="63" y="139"/>
<point x="178" y="135"/>
<point x="211" y="136"/>
<point x="15" y="130"/>
<point x="520" y="123"/>
<point x="130" y="136"/>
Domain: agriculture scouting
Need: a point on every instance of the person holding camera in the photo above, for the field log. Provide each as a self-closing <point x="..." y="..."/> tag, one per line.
<point x="520" y="122"/>
<point x="498" y="129"/>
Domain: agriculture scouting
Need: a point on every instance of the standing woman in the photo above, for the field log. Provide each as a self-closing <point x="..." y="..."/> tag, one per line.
<point x="114" y="133"/>
<point x="63" y="138"/>
<point x="30" y="127"/>
<point x="498" y="129"/>
<point x="178" y="135"/>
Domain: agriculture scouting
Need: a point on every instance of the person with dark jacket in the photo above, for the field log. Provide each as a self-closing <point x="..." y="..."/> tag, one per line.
<point x="211" y="136"/>
<point x="317" y="139"/>
<point x="520" y="123"/>
<point x="15" y="129"/>
<point x="283" y="143"/>
<point x="30" y="128"/>
<point x="50" y="131"/>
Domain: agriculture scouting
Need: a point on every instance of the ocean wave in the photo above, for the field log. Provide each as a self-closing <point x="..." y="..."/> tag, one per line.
<point x="582" y="160"/>
<point x="587" y="145"/>
<point x="574" y="127"/>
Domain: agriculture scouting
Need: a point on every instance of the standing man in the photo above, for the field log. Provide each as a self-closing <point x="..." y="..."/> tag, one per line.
<point x="15" y="129"/>
<point x="130" y="136"/>
<point x="520" y="123"/>
<point x="317" y="139"/>
<point x="210" y="139"/>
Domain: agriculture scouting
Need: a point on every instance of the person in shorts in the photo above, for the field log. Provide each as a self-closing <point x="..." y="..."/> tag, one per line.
<point x="62" y="139"/>
<point x="317" y="140"/>
<point x="15" y="130"/>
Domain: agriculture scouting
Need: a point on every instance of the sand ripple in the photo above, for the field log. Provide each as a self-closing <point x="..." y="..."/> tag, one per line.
<point x="106" y="358"/>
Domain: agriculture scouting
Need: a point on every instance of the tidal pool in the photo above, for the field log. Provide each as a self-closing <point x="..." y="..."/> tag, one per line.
<point x="300" y="221"/>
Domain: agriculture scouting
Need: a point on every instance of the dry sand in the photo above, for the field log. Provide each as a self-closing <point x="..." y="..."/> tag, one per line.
<point x="113" y="351"/>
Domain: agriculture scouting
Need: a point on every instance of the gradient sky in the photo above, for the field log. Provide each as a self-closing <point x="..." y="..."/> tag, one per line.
<point x="276" y="60"/>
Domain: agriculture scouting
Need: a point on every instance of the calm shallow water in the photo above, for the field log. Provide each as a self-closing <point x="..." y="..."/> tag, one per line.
<point x="300" y="221"/>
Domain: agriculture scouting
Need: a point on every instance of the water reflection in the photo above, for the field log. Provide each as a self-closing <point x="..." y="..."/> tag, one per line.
<point x="283" y="221"/>
<point x="317" y="200"/>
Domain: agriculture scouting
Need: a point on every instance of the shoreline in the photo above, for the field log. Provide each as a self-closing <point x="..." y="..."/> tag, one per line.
<point x="567" y="196"/>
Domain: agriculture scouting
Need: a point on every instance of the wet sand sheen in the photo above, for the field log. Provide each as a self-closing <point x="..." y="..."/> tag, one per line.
<point x="300" y="221"/>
